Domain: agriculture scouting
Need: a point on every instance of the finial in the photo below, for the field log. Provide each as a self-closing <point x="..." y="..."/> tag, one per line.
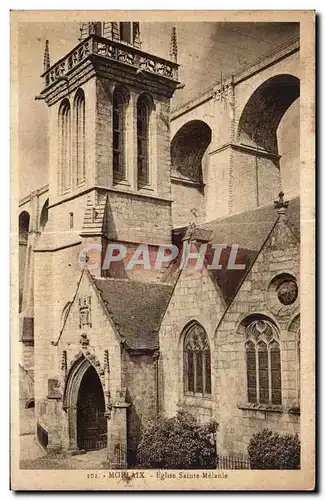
<point x="173" y="45"/>
<point x="46" y="60"/>
<point x="280" y="205"/>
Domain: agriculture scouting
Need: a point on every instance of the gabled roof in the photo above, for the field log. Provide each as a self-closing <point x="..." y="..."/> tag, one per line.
<point x="136" y="309"/>
<point x="249" y="230"/>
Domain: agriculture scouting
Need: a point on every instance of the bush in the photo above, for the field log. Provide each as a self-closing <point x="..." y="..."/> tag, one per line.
<point x="179" y="442"/>
<point x="268" y="450"/>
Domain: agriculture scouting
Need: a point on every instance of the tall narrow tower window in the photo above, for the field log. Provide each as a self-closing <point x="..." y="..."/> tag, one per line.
<point x="130" y="33"/>
<point x="80" y="130"/>
<point x="143" y="117"/>
<point x="126" y="32"/>
<point x="120" y="101"/>
<point x="65" y="146"/>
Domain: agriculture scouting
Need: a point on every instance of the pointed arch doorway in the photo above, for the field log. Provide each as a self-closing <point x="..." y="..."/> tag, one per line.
<point x="85" y="405"/>
<point x="91" y="420"/>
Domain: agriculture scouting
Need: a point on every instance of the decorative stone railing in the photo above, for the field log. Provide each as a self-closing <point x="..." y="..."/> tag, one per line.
<point x="113" y="50"/>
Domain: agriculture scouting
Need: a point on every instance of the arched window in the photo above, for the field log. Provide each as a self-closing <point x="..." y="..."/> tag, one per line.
<point x="119" y="121"/>
<point x="197" y="362"/>
<point x="143" y="117"/>
<point x="80" y="130"/>
<point x="263" y="363"/>
<point x="65" y="145"/>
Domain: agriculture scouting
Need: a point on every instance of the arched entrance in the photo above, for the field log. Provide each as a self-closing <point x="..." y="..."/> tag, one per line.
<point x="84" y="403"/>
<point x="91" y="421"/>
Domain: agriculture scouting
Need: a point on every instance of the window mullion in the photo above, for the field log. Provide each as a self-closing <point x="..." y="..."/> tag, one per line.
<point x="194" y="370"/>
<point x="269" y="368"/>
<point x="203" y="372"/>
<point x="257" y="374"/>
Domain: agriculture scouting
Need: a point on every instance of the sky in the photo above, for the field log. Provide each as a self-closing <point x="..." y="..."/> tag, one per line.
<point x="205" y="50"/>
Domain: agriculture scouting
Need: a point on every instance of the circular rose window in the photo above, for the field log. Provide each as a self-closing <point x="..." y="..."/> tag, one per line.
<point x="287" y="292"/>
<point x="282" y="294"/>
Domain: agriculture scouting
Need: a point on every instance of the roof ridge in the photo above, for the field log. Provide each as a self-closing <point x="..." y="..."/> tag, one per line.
<point x="150" y="283"/>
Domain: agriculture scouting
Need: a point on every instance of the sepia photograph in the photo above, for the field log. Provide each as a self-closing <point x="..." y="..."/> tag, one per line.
<point x="163" y="205"/>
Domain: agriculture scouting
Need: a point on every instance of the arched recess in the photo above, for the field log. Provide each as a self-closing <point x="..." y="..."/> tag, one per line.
<point x="44" y="217"/>
<point x="72" y="402"/>
<point x="188" y="147"/>
<point x="30" y="403"/>
<point x="264" y="111"/>
<point x="24" y="219"/>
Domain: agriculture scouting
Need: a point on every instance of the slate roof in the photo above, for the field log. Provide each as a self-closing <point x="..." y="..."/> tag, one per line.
<point x="136" y="308"/>
<point x="249" y="231"/>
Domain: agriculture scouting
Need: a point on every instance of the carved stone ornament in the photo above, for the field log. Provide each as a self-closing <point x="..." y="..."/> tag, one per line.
<point x="287" y="292"/>
<point x="84" y="341"/>
<point x="84" y="312"/>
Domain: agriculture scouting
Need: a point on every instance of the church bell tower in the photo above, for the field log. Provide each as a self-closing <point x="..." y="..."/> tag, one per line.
<point x="109" y="137"/>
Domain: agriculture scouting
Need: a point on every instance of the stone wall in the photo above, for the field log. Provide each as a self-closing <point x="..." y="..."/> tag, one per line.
<point x="195" y="298"/>
<point x="238" y="421"/>
<point x="188" y="203"/>
<point x="139" y="376"/>
<point x="26" y="396"/>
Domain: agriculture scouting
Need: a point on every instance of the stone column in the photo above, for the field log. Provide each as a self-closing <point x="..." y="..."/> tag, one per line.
<point x="131" y="143"/>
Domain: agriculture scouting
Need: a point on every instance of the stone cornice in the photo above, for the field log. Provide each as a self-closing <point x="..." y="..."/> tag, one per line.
<point x="114" y="191"/>
<point x="246" y="149"/>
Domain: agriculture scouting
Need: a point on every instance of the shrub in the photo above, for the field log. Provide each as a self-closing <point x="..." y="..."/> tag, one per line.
<point x="179" y="442"/>
<point x="268" y="450"/>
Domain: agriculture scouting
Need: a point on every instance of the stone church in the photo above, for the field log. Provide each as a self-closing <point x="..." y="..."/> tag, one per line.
<point x="104" y="351"/>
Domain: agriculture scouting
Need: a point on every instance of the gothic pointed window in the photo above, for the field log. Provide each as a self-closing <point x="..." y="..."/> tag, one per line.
<point x="143" y="117"/>
<point x="120" y="100"/>
<point x="197" y="362"/>
<point x="263" y="363"/>
<point x="64" y="146"/>
<point x="80" y="129"/>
